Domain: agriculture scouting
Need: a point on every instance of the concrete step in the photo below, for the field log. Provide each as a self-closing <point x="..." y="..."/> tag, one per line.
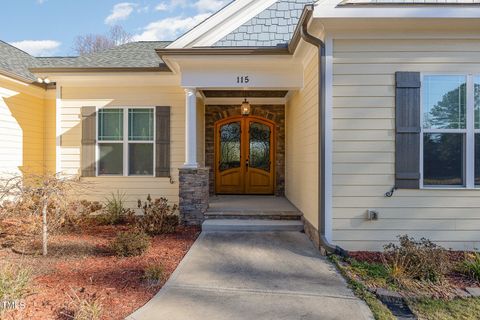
<point x="255" y="215"/>
<point x="256" y="225"/>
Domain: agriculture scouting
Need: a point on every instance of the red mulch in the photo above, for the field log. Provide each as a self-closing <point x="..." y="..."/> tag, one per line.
<point x="79" y="264"/>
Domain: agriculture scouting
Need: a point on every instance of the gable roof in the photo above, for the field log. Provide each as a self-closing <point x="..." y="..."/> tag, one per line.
<point x="15" y="62"/>
<point x="271" y="27"/>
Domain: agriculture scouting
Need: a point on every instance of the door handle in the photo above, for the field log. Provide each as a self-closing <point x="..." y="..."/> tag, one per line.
<point x="246" y="164"/>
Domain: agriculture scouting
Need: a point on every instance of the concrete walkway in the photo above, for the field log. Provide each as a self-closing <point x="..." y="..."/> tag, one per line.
<point x="254" y="276"/>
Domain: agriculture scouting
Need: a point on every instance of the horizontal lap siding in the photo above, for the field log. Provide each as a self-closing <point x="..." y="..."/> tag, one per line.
<point x="135" y="188"/>
<point x="364" y="146"/>
<point x="302" y="145"/>
<point x="21" y="128"/>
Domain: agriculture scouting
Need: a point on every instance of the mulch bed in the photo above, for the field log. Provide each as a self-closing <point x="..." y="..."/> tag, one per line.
<point x="79" y="264"/>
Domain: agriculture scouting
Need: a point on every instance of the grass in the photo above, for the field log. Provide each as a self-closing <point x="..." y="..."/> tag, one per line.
<point x="436" y="309"/>
<point x="471" y="266"/>
<point x="372" y="274"/>
<point x="14" y="282"/>
<point x="379" y="310"/>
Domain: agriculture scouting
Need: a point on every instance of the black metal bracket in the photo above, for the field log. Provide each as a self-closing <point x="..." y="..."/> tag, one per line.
<point x="390" y="193"/>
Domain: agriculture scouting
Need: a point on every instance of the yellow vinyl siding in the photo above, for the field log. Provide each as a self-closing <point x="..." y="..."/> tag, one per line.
<point x="50" y="132"/>
<point x="364" y="146"/>
<point x="21" y="127"/>
<point x="73" y="98"/>
<point x="301" y="182"/>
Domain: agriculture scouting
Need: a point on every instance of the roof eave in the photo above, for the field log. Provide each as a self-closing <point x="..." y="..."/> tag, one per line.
<point x="224" y="51"/>
<point x="16" y="77"/>
<point x="160" y="68"/>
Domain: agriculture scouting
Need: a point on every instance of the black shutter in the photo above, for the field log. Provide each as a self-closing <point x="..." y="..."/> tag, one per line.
<point x="162" y="142"/>
<point x="407" y="138"/>
<point x="89" y="132"/>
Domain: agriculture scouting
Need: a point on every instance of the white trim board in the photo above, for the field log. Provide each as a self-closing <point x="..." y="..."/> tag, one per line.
<point x="328" y="138"/>
<point x="221" y="23"/>
<point x="331" y="9"/>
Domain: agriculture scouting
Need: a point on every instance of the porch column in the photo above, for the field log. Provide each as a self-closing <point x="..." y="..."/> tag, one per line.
<point x="193" y="181"/>
<point x="191" y="128"/>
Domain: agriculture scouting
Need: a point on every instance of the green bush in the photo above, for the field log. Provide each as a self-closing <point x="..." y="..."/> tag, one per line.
<point x="14" y="282"/>
<point x="417" y="260"/>
<point x="130" y="243"/>
<point x="471" y="266"/>
<point x="158" y="217"/>
<point x="153" y="274"/>
<point x="114" y="211"/>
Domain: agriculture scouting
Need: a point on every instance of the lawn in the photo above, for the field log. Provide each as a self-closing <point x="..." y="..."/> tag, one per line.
<point x="435" y="309"/>
<point x="80" y="268"/>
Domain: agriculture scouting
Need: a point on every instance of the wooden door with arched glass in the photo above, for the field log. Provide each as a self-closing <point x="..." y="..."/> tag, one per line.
<point x="244" y="156"/>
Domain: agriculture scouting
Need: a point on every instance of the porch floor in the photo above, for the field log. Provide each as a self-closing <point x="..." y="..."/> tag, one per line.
<point x="240" y="206"/>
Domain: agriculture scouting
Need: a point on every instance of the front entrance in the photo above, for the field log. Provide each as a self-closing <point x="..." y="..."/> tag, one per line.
<point x="244" y="155"/>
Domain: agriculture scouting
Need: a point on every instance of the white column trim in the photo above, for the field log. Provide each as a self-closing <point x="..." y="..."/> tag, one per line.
<point x="190" y="128"/>
<point x="328" y="138"/>
<point x="470" y="138"/>
<point x="58" y="129"/>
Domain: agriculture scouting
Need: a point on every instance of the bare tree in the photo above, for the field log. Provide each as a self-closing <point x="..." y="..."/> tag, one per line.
<point x="119" y="36"/>
<point x="92" y="43"/>
<point x="41" y="192"/>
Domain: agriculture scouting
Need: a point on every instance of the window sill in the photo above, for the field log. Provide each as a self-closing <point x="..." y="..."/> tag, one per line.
<point x="448" y="188"/>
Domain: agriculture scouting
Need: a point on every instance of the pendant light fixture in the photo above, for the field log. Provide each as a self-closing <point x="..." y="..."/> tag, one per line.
<point x="245" y="106"/>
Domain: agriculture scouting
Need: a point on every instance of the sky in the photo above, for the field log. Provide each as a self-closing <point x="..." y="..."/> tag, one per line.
<point x="49" y="27"/>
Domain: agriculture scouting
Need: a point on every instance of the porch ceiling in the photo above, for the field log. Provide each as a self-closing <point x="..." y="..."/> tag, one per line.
<point x="245" y="93"/>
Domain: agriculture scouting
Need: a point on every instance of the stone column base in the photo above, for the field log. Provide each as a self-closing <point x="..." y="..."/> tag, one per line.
<point x="194" y="195"/>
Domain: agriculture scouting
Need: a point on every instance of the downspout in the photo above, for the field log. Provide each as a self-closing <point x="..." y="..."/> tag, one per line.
<point x="307" y="37"/>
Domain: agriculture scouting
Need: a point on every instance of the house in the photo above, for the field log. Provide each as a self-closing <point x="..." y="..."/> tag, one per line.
<point x="364" y="114"/>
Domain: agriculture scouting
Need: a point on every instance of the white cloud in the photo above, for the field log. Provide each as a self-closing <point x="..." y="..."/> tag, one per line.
<point x="209" y="5"/>
<point x="170" y="28"/>
<point x="41" y="1"/>
<point x="161" y="7"/>
<point x="143" y="9"/>
<point x="38" y="47"/>
<point x="120" y="11"/>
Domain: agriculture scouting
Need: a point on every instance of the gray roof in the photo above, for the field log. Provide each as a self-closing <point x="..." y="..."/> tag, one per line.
<point x="15" y="61"/>
<point x="131" y="55"/>
<point x="272" y="27"/>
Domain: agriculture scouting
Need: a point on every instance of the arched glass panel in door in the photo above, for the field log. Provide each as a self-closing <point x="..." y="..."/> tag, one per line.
<point x="260" y="146"/>
<point x="230" y="144"/>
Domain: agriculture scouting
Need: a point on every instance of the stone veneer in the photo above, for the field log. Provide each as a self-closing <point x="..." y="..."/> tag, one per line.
<point x="194" y="195"/>
<point x="275" y="113"/>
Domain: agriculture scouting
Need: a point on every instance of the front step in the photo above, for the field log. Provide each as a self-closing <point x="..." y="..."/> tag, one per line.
<point x="257" y="225"/>
<point x="254" y="215"/>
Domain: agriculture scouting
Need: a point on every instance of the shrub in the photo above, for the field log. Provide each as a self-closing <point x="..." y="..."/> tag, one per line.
<point x="130" y="243"/>
<point x="14" y="282"/>
<point x="418" y="260"/>
<point x="471" y="266"/>
<point x="88" y="308"/>
<point x="153" y="274"/>
<point x="158" y="217"/>
<point x="114" y="211"/>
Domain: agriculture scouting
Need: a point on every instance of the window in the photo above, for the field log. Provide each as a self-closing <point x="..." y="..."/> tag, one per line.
<point x="444" y="129"/>
<point x="126" y="141"/>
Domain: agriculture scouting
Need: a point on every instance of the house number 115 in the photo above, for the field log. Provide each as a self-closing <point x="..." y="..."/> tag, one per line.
<point x="243" y="79"/>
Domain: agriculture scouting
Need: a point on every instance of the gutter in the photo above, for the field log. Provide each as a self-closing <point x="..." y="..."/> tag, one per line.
<point x="307" y="37"/>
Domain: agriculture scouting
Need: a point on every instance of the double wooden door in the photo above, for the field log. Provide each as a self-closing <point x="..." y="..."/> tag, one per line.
<point x="244" y="156"/>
